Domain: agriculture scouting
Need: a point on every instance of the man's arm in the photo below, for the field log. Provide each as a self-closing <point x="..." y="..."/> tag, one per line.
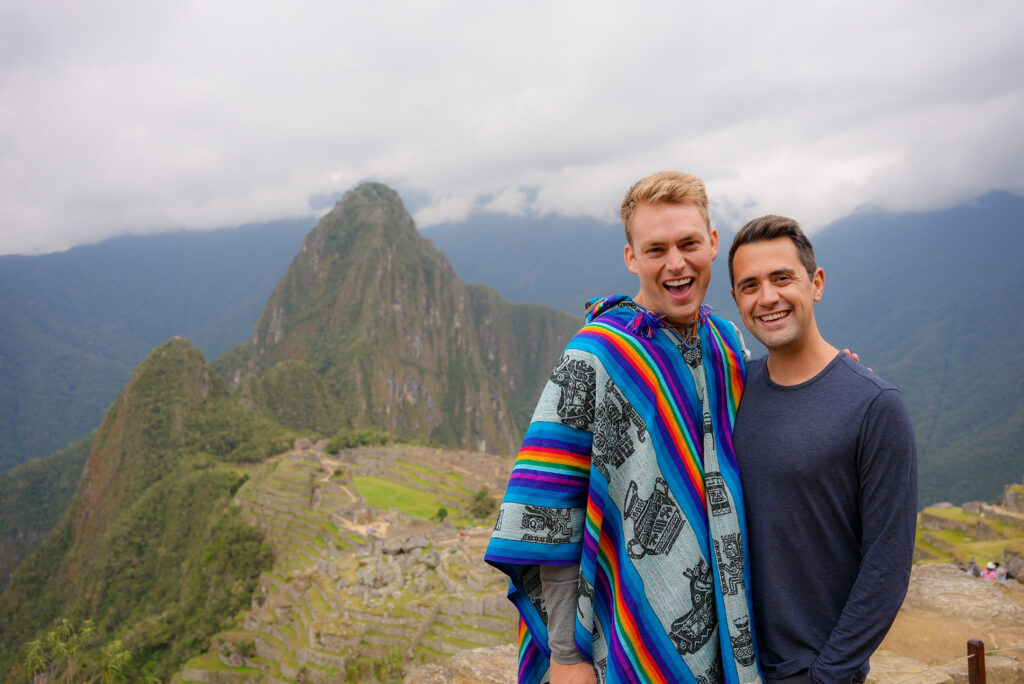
<point x="887" y="465"/>
<point x="559" y="584"/>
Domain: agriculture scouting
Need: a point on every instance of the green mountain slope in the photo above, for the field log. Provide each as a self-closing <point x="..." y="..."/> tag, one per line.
<point x="75" y="324"/>
<point x="928" y="300"/>
<point x="371" y="327"/>
<point x="148" y="548"/>
<point x="33" y="499"/>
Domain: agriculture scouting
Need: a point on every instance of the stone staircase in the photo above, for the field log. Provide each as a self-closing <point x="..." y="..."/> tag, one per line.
<point x="354" y="586"/>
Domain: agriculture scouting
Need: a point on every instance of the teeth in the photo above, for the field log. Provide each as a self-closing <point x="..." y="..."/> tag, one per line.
<point x="774" y="316"/>
<point x="677" y="283"/>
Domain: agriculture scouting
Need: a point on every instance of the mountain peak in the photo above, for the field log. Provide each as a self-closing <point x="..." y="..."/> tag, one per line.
<point x="373" y="322"/>
<point x="142" y="429"/>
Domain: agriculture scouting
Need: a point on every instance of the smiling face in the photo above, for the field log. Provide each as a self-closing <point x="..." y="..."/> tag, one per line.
<point x="671" y="250"/>
<point x="775" y="294"/>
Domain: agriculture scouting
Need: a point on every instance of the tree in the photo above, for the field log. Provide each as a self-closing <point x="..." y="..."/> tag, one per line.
<point x="442" y="513"/>
<point x="57" y="657"/>
<point x="483" y="505"/>
<point x="115" y="660"/>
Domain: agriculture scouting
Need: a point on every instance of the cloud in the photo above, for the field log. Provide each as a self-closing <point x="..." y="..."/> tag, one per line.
<point x="135" y="117"/>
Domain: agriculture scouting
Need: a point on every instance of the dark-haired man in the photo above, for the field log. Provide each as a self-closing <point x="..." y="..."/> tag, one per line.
<point x="828" y="463"/>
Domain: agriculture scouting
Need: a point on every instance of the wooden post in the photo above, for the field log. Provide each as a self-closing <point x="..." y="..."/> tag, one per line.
<point x="975" y="661"/>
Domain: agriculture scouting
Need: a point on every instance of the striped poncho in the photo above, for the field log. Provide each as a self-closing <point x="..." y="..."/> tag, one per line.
<point x="628" y="472"/>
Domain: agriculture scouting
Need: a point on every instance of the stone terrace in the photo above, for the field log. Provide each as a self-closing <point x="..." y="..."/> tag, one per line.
<point x="987" y="532"/>
<point x="353" y="585"/>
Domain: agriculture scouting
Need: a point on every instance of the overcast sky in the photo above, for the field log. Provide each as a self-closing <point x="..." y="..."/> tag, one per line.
<point x="141" y="116"/>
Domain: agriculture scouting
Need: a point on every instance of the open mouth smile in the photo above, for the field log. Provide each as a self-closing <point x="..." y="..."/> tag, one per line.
<point x="679" y="286"/>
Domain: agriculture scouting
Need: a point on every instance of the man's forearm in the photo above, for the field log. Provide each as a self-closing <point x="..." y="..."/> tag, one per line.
<point x="559" y="586"/>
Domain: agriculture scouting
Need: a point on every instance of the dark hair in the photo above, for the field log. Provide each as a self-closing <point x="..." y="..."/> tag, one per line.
<point x="769" y="228"/>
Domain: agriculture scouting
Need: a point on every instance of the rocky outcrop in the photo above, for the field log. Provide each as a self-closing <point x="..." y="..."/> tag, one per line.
<point x="496" y="665"/>
<point x="1013" y="559"/>
<point x="943" y="610"/>
<point x="945" y="590"/>
<point x="1013" y="498"/>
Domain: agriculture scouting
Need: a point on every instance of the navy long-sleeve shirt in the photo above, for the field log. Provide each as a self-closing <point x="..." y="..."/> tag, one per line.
<point x="829" y="470"/>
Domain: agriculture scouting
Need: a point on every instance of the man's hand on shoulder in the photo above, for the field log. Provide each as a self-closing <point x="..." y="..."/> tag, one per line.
<point x="855" y="357"/>
<point x="580" y="673"/>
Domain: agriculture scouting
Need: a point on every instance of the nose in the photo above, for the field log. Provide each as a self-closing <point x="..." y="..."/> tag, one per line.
<point x="675" y="260"/>
<point x="768" y="296"/>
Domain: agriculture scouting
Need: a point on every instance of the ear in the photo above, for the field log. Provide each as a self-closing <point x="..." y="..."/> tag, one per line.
<point x="630" y="258"/>
<point x="714" y="244"/>
<point x="818" y="283"/>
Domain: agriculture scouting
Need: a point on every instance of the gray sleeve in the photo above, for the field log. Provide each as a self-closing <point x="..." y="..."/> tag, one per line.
<point x="558" y="583"/>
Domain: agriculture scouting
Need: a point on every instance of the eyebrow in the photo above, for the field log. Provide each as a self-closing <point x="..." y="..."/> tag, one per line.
<point x="681" y="238"/>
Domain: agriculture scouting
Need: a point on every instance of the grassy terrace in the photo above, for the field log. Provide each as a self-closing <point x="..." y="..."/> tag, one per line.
<point x="954" y="545"/>
<point x="1004" y="528"/>
<point x="954" y="513"/>
<point x="984" y="551"/>
<point x="381" y="493"/>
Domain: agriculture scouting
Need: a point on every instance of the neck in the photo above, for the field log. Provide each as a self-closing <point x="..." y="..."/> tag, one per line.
<point x="689" y="325"/>
<point x="794" y="364"/>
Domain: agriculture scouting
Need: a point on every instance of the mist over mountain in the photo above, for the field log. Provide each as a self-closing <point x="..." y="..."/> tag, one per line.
<point x="552" y="260"/>
<point x="74" y="324"/>
<point x="925" y="298"/>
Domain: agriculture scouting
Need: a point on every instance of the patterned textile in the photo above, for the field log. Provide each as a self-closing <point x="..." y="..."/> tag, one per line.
<point x="627" y="468"/>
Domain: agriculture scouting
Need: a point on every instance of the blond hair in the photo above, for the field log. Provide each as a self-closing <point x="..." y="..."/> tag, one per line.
<point x="672" y="187"/>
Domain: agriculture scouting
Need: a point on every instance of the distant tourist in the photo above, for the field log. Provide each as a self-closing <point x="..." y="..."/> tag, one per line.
<point x="973" y="570"/>
<point x="990" y="571"/>
<point x="622" y="526"/>
<point x="1001" y="574"/>
<point x="829" y="466"/>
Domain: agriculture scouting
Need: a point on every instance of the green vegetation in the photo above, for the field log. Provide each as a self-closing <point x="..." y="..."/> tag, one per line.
<point x="385" y="494"/>
<point x="76" y="323"/>
<point x="953" y="513"/>
<point x="483" y="505"/>
<point x="387" y="669"/>
<point x="350" y="438"/>
<point x="60" y="656"/>
<point x="226" y="428"/>
<point x="952" y="544"/>
<point x="33" y="498"/>
<point x="160" y="561"/>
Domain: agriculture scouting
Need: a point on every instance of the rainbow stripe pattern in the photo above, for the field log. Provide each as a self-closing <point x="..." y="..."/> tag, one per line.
<point x="625" y="635"/>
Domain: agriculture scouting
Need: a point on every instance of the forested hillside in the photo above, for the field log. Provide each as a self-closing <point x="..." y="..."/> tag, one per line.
<point x="149" y="550"/>
<point x="75" y="324"/>
<point x="929" y="299"/>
